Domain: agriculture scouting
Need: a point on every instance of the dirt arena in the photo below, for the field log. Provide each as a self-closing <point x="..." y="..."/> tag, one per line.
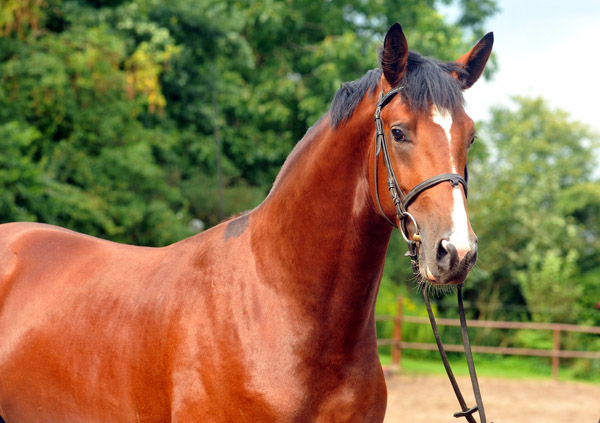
<point x="430" y="399"/>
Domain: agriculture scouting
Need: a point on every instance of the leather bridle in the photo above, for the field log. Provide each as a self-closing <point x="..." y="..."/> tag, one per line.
<point x="402" y="202"/>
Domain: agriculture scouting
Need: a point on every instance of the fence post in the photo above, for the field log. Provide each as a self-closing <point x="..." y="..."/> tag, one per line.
<point x="396" y="348"/>
<point x="555" y="357"/>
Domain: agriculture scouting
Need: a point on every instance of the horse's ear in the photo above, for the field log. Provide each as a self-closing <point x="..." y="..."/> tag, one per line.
<point x="394" y="55"/>
<point x="474" y="61"/>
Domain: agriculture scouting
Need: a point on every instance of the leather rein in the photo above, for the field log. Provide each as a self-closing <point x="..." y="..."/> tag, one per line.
<point x="404" y="218"/>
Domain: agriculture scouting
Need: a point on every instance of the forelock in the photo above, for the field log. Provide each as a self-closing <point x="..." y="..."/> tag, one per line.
<point x="429" y="82"/>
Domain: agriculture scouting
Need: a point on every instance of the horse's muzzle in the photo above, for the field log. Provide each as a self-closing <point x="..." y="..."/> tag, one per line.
<point x="449" y="265"/>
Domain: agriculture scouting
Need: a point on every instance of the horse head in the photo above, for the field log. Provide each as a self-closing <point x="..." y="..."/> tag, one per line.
<point x="423" y="137"/>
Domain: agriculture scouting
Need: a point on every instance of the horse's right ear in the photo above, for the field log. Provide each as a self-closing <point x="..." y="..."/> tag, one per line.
<point x="475" y="60"/>
<point x="394" y="55"/>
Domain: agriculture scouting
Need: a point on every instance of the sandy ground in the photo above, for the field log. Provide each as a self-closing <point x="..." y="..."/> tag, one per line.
<point x="430" y="399"/>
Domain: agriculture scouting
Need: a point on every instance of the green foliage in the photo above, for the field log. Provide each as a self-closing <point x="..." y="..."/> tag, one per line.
<point x="548" y="284"/>
<point x="532" y="339"/>
<point x="534" y="160"/>
<point x="20" y="180"/>
<point x="73" y="134"/>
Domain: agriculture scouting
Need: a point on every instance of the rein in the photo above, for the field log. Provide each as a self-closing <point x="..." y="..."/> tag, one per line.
<point x="401" y="203"/>
<point x="465" y="412"/>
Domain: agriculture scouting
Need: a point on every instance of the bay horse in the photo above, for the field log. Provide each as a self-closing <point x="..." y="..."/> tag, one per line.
<point x="266" y="317"/>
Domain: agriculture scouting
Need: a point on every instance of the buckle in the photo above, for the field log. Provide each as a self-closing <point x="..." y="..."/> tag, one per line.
<point x="465" y="413"/>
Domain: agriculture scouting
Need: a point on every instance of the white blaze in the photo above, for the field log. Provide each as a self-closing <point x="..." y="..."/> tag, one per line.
<point x="444" y="119"/>
<point x="459" y="236"/>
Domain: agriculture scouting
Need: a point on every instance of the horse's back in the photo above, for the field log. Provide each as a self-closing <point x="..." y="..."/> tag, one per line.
<point x="39" y="259"/>
<point x="31" y="256"/>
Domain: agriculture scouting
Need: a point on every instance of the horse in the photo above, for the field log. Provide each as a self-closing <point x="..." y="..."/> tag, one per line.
<point x="268" y="316"/>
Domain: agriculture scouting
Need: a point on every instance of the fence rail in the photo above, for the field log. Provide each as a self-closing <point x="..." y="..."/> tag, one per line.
<point x="397" y="343"/>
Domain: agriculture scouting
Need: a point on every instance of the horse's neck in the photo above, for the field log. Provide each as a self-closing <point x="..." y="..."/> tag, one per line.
<point x="317" y="234"/>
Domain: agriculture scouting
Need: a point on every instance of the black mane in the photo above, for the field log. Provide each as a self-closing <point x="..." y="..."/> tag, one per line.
<point x="426" y="81"/>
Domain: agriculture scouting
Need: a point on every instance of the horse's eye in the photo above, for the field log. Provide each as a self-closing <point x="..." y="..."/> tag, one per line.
<point x="473" y="140"/>
<point x="399" y="135"/>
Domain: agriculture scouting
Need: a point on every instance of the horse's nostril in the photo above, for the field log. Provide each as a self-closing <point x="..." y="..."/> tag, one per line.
<point x="442" y="252"/>
<point x="473" y="259"/>
<point x="446" y="256"/>
<point x="452" y="266"/>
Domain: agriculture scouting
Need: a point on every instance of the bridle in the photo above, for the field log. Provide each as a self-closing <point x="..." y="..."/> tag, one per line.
<point x="401" y="200"/>
<point x="401" y="203"/>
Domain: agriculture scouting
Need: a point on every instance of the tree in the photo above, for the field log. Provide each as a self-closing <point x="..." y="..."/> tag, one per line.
<point x="69" y="107"/>
<point x="530" y="233"/>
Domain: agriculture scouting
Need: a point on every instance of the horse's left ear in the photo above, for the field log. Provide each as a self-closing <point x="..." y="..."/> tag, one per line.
<point x="394" y="55"/>
<point x="474" y="61"/>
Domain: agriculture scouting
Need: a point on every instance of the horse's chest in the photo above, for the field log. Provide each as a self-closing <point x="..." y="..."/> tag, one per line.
<point x="353" y="401"/>
<point x="291" y="396"/>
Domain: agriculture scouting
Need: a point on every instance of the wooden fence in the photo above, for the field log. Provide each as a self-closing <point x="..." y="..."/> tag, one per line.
<point x="397" y="343"/>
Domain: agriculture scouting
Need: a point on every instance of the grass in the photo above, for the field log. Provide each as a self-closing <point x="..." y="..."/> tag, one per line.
<point x="509" y="367"/>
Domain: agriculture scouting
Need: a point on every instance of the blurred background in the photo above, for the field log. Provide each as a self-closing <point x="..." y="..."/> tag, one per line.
<point x="146" y="121"/>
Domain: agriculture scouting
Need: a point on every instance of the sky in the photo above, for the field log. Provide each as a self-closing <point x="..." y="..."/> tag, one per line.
<point x="544" y="48"/>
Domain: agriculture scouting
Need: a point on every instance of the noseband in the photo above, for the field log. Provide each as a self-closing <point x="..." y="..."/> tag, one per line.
<point x="401" y="200"/>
